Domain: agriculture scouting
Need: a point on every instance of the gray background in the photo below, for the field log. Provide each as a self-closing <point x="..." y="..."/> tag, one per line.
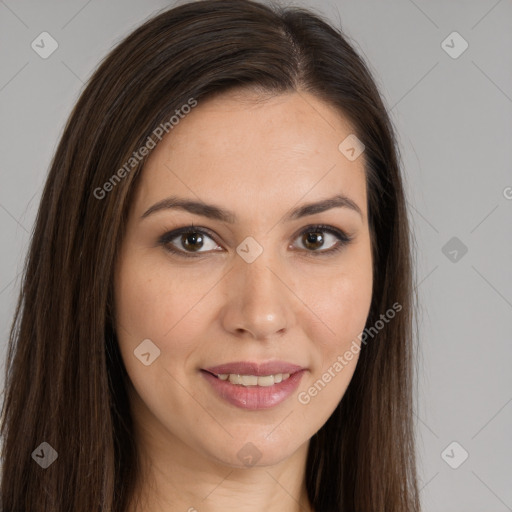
<point x="454" y="122"/>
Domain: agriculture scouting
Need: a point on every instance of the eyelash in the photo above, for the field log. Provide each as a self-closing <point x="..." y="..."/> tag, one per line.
<point x="166" y="238"/>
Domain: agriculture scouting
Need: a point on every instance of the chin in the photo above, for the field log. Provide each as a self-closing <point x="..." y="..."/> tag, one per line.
<point x="256" y="451"/>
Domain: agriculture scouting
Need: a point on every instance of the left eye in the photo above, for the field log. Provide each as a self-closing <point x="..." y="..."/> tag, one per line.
<point x="192" y="239"/>
<point x="315" y="239"/>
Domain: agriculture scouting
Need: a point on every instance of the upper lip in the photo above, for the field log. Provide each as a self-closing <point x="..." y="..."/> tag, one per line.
<point x="252" y="368"/>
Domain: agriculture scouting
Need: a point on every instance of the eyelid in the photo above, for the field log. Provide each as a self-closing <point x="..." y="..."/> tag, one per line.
<point x="343" y="239"/>
<point x="171" y="234"/>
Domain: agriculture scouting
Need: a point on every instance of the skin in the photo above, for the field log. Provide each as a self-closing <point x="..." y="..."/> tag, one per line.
<point x="259" y="159"/>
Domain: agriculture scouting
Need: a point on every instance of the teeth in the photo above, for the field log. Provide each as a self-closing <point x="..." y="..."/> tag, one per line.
<point x="254" y="380"/>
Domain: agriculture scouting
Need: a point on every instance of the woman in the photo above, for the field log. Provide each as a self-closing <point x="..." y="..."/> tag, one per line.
<point x="216" y="310"/>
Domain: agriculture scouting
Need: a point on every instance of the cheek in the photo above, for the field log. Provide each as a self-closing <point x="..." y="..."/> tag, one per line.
<point x="345" y="308"/>
<point x="154" y="303"/>
<point x="341" y="299"/>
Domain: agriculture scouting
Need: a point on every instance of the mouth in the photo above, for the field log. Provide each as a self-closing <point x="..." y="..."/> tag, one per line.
<point x="252" y="380"/>
<point x="254" y="386"/>
<point x="248" y="368"/>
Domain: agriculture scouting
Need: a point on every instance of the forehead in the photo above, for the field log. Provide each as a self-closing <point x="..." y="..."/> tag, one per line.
<point x="246" y="148"/>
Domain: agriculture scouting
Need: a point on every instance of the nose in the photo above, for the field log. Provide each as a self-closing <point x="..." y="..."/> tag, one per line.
<point x="260" y="303"/>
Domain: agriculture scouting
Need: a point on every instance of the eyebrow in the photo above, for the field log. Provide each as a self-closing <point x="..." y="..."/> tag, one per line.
<point x="215" y="212"/>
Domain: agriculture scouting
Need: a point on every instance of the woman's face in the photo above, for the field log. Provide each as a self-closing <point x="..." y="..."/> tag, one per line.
<point x="260" y="285"/>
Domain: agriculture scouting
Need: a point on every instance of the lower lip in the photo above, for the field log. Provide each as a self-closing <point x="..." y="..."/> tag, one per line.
<point x="254" y="397"/>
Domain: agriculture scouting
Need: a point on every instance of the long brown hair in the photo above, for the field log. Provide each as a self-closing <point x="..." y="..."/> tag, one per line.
<point x="64" y="381"/>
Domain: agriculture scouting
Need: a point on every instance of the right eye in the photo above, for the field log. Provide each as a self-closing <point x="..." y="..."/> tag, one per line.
<point x="190" y="238"/>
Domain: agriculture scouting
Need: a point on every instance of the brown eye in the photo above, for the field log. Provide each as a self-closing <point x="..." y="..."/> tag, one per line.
<point x="187" y="241"/>
<point x="192" y="241"/>
<point x="315" y="238"/>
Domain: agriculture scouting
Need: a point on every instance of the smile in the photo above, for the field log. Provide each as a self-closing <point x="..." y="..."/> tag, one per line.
<point x="254" y="392"/>
<point x="254" y="380"/>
